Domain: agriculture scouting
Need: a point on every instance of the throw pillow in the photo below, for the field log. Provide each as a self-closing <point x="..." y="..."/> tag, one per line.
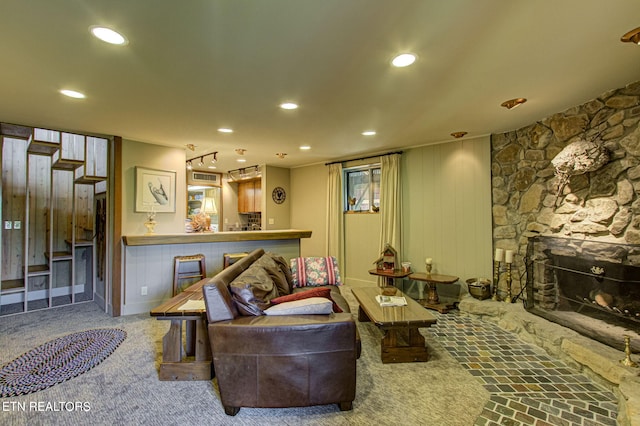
<point x="275" y="273"/>
<point x="284" y="267"/>
<point x="252" y="290"/>
<point x="313" y="305"/>
<point x="314" y="292"/>
<point x="315" y="271"/>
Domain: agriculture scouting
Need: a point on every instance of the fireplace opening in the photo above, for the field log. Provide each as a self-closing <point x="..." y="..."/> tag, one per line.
<point x="591" y="287"/>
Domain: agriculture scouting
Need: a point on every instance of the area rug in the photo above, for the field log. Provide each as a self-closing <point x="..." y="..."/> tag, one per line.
<point x="58" y="360"/>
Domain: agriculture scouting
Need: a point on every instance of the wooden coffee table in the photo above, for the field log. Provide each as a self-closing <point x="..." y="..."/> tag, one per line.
<point x="401" y="340"/>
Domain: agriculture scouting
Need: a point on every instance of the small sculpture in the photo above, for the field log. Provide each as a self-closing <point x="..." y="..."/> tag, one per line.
<point x="578" y="158"/>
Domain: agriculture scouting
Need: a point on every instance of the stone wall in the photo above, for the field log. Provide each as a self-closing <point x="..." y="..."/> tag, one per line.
<point x="601" y="205"/>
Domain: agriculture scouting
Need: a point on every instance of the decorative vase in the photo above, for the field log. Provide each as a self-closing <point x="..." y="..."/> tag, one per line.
<point x="150" y="224"/>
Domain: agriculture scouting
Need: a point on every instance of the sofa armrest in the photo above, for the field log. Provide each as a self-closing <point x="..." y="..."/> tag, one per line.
<point x="285" y="361"/>
<point x="218" y="302"/>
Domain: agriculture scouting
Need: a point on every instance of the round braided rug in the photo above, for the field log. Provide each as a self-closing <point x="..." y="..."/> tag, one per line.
<point x="58" y="360"/>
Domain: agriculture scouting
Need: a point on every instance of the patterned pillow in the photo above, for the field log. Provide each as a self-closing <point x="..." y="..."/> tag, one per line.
<point x="308" y="271"/>
<point x="314" y="292"/>
<point x="313" y="305"/>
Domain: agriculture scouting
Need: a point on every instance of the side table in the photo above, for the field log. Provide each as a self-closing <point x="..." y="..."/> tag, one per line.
<point x="433" y="301"/>
<point x="390" y="276"/>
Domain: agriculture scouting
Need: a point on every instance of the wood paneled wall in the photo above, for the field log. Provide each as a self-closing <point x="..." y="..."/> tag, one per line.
<point x="447" y="207"/>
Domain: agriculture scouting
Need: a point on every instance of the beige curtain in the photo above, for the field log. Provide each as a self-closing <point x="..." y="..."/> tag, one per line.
<point x="390" y="202"/>
<point x="335" y="216"/>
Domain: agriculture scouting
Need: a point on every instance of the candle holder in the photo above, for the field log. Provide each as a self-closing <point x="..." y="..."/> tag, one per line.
<point x="627" y="351"/>
<point x="509" y="280"/>
<point x="496" y="278"/>
<point x="428" y="267"/>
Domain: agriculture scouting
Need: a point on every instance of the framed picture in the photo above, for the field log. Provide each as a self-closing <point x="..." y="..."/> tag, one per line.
<point x="155" y="190"/>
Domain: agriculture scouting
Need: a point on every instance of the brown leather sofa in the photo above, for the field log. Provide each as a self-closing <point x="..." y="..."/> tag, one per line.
<point x="278" y="361"/>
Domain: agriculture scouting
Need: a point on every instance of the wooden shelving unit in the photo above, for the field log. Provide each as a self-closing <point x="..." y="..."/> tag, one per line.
<point x="48" y="252"/>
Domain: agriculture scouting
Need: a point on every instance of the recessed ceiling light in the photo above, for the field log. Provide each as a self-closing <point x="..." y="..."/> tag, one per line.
<point x="369" y="133"/>
<point x="281" y="155"/>
<point x="108" y="35"/>
<point x="513" y="103"/>
<point x="305" y="147"/>
<point x="632" y="36"/>
<point x="73" y="94"/>
<point x="289" y="105"/>
<point x="225" y="130"/>
<point x="241" y="160"/>
<point x="403" y="60"/>
<point x="212" y="167"/>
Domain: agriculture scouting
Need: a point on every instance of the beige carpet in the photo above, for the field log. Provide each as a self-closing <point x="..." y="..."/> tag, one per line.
<point x="125" y="390"/>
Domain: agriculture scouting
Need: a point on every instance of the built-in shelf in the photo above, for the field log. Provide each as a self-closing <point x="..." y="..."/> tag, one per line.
<point x="57" y="256"/>
<point x="12" y="286"/>
<point x="38" y="270"/>
<point x="80" y="243"/>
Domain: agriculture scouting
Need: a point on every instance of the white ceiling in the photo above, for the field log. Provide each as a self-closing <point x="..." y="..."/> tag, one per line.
<point x="196" y="65"/>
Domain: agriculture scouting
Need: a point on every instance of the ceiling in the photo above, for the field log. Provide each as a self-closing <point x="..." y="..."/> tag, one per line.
<point x="194" y="66"/>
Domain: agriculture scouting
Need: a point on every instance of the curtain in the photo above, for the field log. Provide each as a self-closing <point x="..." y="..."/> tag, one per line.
<point x="390" y="202"/>
<point x="335" y="216"/>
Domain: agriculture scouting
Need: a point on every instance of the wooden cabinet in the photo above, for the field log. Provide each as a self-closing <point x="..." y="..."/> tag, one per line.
<point x="48" y="216"/>
<point x="249" y="196"/>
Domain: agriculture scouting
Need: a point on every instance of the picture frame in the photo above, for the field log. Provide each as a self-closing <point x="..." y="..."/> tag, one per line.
<point x="155" y="190"/>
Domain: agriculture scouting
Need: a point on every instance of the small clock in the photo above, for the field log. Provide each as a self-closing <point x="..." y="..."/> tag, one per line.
<point x="279" y="195"/>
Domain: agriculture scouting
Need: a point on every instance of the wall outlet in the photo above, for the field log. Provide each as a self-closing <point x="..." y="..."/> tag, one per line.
<point x="143" y="291"/>
<point x="271" y="221"/>
<point x="7" y="224"/>
<point x="17" y="224"/>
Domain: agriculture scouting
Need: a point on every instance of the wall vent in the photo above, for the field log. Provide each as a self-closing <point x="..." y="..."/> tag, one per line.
<point x="203" y="178"/>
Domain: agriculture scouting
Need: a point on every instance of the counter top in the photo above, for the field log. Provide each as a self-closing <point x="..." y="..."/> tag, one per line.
<point x="214" y="237"/>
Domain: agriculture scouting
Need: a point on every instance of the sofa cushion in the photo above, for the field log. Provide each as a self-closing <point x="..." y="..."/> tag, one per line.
<point x="312" y="305"/>
<point x="252" y="290"/>
<point x="273" y="269"/>
<point x="284" y="267"/>
<point x="312" y="292"/>
<point x="307" y="271"/>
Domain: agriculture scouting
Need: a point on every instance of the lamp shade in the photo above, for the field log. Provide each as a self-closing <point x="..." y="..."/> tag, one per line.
<point x="209" y="206"/>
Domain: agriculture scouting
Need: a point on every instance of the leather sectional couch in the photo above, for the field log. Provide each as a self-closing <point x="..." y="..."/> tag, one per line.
<point x="264" y="360"/>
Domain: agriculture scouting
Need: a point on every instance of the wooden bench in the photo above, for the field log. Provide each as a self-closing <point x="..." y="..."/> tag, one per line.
<point x="195" y="362"/>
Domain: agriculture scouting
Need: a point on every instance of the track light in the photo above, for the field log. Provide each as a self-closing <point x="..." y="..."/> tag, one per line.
<point x="201" y="162"/>
<point x="189" y="166"/>
<point x="215" y="158"/>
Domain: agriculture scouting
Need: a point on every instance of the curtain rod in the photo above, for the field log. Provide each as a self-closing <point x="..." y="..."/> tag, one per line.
<point x="363" y="158"/>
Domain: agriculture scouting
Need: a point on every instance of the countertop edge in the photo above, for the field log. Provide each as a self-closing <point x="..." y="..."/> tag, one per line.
<point x="214" y="237"/>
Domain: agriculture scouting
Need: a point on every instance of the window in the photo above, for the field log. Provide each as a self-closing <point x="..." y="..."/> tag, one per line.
<point x="362" y="188"/>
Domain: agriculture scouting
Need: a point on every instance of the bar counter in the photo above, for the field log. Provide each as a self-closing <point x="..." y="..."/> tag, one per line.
<point x="149" y="259"/>
<point x="215" y="237"/>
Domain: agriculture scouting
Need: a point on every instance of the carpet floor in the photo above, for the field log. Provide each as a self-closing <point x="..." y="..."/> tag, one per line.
<point x="124" y="389"/>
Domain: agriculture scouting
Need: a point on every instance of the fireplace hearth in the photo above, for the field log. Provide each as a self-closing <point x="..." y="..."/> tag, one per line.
<point x="589" y="286"/>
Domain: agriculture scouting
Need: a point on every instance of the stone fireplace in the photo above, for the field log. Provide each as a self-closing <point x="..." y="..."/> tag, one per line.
<point x="592" y="287"/>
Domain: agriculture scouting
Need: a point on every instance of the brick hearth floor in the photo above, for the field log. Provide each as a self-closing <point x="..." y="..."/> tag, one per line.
<point x="527" y="386"/>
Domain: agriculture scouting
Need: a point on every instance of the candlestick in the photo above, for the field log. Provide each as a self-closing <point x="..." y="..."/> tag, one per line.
<point x="508" y="256"/>
<point x="496" y="278"/>
<point x="627" y="351"/>
<point x="499" y="255"/>
<point x="508" y="298"/>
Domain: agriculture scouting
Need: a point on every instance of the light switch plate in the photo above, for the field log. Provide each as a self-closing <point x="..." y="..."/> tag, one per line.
<point x="17" y="224"/>
<point x="7" y="224"/>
